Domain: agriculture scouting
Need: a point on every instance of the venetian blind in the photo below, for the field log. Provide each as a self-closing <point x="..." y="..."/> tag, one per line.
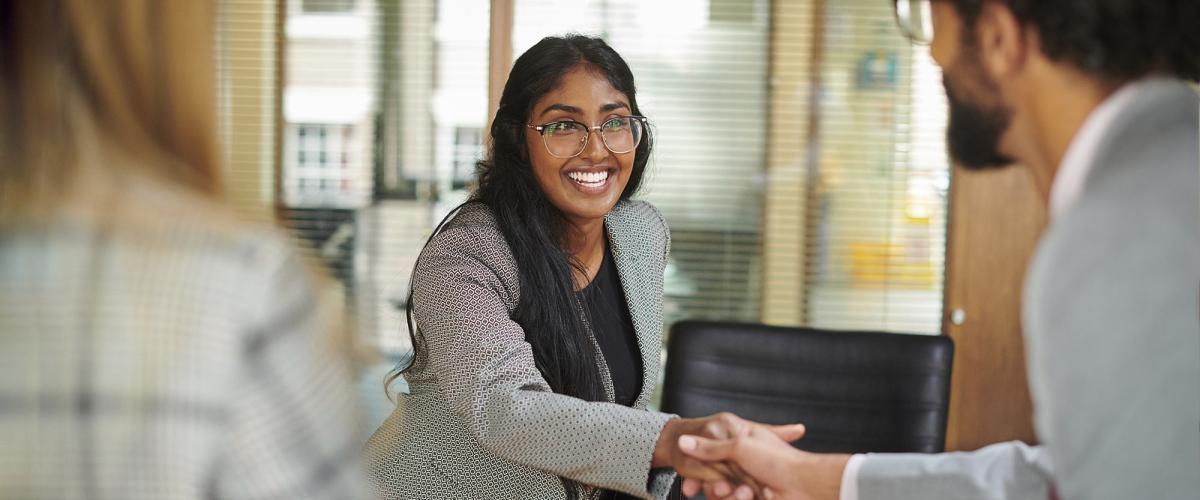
<point x="247" y="82"/>
<point x="877" y="176"/>
<point x="356" y="123"/>
<point x="383" y="109"/>
<point x="701" y="73"/>
<point x="799" y="156"/>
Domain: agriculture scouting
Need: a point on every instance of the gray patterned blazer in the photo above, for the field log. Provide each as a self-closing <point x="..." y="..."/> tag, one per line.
<point x="480" y="420"/>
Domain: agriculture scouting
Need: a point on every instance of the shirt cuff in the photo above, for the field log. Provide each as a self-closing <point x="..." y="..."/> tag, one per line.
<point x="850" y="478"/>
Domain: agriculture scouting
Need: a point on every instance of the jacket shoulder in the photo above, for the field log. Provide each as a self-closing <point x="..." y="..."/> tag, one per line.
<point x="641" y="221"/>
<point x="470" y="246"/>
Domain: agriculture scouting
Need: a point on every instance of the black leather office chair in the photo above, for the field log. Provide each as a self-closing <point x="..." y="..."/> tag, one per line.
<point x="855" y="391"/>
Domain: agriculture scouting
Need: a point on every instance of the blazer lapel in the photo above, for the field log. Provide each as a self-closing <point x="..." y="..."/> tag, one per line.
<point x="639" y="268"/>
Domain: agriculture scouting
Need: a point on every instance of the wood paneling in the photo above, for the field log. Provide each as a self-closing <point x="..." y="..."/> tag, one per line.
<point x="996" y="217"/>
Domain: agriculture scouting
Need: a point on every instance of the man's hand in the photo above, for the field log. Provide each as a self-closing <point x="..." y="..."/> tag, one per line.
<point x="784" y="472"/>
<point x="721" y="426"/>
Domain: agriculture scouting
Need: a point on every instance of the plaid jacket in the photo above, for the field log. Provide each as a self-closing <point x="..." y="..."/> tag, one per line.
<point x="154" y="346"/>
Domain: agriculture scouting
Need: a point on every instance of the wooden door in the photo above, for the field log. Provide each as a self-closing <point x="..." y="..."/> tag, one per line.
<point x="995" y="219"/>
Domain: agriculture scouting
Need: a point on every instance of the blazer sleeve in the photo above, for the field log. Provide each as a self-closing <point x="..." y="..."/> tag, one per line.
<point x="486" y="371"/>
<point x="1002" y="471"/>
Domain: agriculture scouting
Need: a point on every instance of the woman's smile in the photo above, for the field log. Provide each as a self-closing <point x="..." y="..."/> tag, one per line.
<point x="592" y="180"/>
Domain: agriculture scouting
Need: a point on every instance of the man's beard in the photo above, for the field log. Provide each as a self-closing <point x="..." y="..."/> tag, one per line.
<point x="974" y="130"/>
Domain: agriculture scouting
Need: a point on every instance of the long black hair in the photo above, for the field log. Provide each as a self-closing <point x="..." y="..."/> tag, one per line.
<point x="547" y="310"/>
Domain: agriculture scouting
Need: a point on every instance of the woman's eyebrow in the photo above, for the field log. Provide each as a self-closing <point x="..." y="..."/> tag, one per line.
<point x="561" y="107"/>
<point x="613" y="106"/>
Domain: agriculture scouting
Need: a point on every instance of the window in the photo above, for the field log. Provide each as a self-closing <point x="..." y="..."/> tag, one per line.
<point x="468" y="150"/>
<point x="326" y="6"/>
<point x="799" y="157"/>
<point x="323" y="166"/>
<point x="384" y="109"/>
<point x="877" y="178"/>
<point x="701" y="70"/>
<point x="801" y="187"/>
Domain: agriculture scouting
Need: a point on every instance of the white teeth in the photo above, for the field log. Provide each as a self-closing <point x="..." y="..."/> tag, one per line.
<point x="589" y="177"/>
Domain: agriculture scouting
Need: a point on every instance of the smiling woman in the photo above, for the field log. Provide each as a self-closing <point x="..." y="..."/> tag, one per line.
<point x="566" y="139"/>
<point x="538" y="307"/>
<point x="584" y="178"/>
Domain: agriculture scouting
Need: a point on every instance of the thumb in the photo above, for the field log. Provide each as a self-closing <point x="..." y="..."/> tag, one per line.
<point x="788" y="433"/>
<point x="706" y="449"/>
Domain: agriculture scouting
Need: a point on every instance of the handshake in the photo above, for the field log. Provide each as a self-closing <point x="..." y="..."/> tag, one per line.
<point x="728" y="457"/>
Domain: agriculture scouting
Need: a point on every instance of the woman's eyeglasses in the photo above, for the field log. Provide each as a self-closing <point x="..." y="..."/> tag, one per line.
<point x="568" y="138"/>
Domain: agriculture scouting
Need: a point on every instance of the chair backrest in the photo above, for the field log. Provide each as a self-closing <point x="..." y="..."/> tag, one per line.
<point x="856" y="392"/>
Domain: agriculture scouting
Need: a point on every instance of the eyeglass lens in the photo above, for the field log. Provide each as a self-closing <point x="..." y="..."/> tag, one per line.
<point x="567" y="138"/>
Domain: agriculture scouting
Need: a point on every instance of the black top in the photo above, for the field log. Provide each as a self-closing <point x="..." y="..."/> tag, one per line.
<point x="613" y="327"/>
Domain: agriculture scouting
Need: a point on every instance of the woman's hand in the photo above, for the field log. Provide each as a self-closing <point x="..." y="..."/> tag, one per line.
<point x="720" y="426"/>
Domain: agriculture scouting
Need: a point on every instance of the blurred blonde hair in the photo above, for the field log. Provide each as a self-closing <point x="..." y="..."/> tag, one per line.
<point x="83" y="78"/>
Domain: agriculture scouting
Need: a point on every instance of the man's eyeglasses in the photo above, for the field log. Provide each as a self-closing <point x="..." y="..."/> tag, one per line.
<point x="915" y="20"/>
<point x="568" y="138"/>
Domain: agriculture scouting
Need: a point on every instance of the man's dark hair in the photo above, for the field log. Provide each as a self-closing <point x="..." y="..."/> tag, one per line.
<point x="1112" y="39"/>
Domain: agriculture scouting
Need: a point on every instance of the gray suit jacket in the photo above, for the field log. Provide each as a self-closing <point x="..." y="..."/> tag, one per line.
<point x="480" y="421"/>
<point x="1112" y="333"/>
